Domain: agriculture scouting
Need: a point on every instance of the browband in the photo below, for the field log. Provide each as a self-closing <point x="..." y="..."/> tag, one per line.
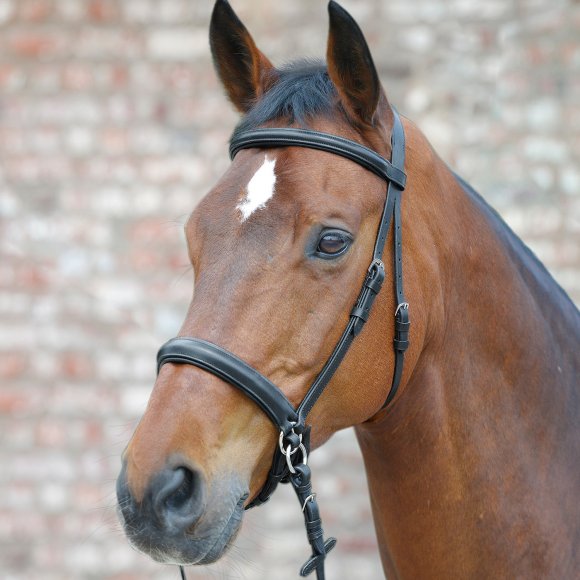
<point x="290" y="137"/>
<point x="290" y="456"/>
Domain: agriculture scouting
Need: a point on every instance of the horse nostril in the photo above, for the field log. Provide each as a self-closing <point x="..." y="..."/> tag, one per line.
<point x="178" y="497"/>
<point x="182" y="484"/>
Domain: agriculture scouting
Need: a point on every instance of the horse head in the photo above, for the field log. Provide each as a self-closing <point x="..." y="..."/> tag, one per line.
<point x="279" y="249"/>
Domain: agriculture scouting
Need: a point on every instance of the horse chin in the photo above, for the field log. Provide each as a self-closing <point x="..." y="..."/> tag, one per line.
<point x="227" y="535"/>
<point x="224" y="540"/>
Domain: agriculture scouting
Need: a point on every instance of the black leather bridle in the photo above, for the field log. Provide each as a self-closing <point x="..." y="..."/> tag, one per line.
<point x="291" y="454"/>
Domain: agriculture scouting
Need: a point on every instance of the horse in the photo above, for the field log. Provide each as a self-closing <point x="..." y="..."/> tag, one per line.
<point x="473" y="465"/>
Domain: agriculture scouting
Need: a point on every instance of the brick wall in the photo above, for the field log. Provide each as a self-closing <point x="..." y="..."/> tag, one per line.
<point x="112" y="126"/>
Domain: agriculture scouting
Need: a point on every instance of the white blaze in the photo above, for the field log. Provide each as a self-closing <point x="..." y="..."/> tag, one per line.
<point x="259" y="190"/>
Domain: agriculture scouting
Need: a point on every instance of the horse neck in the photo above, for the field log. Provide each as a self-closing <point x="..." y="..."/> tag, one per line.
<point x="489" y="397"/>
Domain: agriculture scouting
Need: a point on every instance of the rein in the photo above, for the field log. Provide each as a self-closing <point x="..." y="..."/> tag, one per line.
<point x="290" y="462"/>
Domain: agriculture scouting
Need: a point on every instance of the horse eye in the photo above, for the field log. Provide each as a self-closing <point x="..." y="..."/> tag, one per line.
<point x="333" y="243"/>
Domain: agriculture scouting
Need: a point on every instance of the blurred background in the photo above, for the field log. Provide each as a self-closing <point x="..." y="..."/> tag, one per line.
<point x="112" y="127"/>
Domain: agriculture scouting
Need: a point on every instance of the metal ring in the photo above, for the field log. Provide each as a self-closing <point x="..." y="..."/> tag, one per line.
<point x="304" y="454"/>
<point x="288" y="460"/>
<point x="287" y="453"/>
<point x="402" y="306"/>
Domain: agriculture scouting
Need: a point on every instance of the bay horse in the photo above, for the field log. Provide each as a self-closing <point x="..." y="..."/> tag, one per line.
<point x="474" y="465"/>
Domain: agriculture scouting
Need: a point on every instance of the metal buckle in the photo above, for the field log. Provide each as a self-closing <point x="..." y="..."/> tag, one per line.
<point x="376" y="263"/>
<point x="288" y="452"/>
<point x="403" y="305"/>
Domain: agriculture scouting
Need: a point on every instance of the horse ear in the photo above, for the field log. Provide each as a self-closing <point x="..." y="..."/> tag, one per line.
<point x="243" y="70"/>
<point x="351" y="66"/>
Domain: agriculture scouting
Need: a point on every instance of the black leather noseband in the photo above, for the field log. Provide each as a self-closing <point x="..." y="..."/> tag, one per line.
<point x="290" y="456"/>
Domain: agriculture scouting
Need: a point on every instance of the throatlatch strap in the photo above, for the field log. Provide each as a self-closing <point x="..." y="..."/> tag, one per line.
<point x="402" y="322"/>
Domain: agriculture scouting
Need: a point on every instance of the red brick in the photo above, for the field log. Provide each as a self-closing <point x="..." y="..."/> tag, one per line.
<point x="12" y="77"/>
<point x="24" y="526"/>
<point x="51" y="432"/>
<point x="76" y="365"/>
<point x="77" y="76"/>
<point x="35" y="44"/>
<point x="13" y="401"/>
<point x="114" y="141"/>
<point x="35" y="10"/>
<point x="102" y="11"/>
<point x="12" y="365"/>
<point x="32" y="276"/>
<point x="84" y="494"/>
<point x="92" y="433"/>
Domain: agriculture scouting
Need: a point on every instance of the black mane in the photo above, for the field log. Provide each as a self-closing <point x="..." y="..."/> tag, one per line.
<point x="303" y="90"/>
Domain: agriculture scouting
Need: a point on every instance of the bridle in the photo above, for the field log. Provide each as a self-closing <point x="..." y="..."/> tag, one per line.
<point x="291" y="454"/>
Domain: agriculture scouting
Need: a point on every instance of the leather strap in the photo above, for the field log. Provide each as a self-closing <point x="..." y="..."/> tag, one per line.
<point x="303" y="487"/>
<point x="290" y="137"/>
<point x="234" y="370"/>
<point x="402" y="322"/>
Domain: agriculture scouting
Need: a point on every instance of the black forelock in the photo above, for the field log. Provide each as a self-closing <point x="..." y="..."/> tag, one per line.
<point x="302" y="91"/>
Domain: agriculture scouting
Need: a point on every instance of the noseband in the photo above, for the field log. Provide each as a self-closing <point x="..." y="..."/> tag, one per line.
<point x="291" y="454"/>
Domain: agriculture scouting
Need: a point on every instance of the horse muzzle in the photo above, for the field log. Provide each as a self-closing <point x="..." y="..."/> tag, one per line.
<point x="177" y="521"/>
